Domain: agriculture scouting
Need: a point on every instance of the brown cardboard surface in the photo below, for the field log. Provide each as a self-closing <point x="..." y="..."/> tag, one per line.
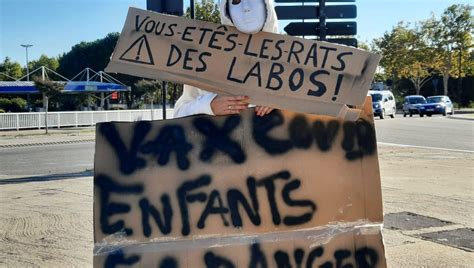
<point x="274" y="70"/>
<point x="357" y="247"/>
<point x="185" y="188"/>
<point x="324" y="171"/>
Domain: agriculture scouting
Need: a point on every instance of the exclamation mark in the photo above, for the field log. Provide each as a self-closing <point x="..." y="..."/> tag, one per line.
<point x="338" y="86"/>
<point x="139" y="49"/>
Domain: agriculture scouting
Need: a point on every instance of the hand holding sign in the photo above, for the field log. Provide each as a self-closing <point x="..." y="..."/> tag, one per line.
<point x="263" y="110"/>
<point x="225" y="105"/>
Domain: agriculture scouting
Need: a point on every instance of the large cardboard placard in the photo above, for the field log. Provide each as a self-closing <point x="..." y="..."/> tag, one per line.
<point x="274" y="70"/>
<point x="235" y="181"/>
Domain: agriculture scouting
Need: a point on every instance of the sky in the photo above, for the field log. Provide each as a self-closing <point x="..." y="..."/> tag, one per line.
<point x="54" y="26"/>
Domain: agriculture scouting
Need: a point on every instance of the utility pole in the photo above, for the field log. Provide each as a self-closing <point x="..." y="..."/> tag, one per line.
<point x="192" y="9"/>
<point x="173" y="7"/>
<point x="27" y="69"/>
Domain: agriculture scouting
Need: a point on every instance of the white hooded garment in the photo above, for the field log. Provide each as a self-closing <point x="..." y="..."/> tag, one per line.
<point x="198" y="101"/>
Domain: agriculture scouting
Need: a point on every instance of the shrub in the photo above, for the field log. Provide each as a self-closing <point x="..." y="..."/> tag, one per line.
<point x="18" y="105"/>
<point x="2" y="111"/>
<point x="5" y="104"/>
<point x="13" y="105"/>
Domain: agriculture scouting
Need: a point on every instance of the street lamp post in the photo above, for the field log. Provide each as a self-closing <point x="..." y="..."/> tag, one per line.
<point x="27" y="69"/>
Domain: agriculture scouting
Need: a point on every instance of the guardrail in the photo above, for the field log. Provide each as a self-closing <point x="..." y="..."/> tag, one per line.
<point x="19" y="121"/>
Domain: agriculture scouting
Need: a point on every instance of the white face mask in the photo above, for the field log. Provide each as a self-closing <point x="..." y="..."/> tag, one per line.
<point x="248" y="16"/>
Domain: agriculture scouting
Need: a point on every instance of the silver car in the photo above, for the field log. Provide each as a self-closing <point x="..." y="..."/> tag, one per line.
<point x="437" y="105"/>
<point x="383" y="103"/>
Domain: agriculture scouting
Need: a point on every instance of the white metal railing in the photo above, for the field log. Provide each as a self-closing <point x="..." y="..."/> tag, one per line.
<point x="76" y="119"/>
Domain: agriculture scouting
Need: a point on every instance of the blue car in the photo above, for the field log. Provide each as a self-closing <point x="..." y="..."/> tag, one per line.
<point x="412" y="104"/>
<point x="437" y="105"/>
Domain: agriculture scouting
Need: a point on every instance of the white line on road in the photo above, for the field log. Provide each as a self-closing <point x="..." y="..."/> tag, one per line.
<point x="425" y="147"/>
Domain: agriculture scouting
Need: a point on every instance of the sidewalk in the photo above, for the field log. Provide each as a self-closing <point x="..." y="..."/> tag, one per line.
<point x="465" y="116"/>
<point x="464" y="111"/>
<point x="38" y="137"/>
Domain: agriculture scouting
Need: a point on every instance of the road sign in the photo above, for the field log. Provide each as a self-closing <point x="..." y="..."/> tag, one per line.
<point x="174" y="7"/>
<point x="312" y="1"/>
<point x="312" y="28"/>
<point x="310" y="12"/>
<point x="344" y="41"/>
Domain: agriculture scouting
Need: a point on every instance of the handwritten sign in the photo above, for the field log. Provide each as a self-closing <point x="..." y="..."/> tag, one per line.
<point x="274" y="70"/>
<point x="300" y="249"/>
<point x="237" y="182"/>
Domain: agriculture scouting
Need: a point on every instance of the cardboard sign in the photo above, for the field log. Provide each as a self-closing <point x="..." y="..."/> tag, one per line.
<point x="285" y="181"/>
<point x="273" y="70"/>
<point x="360" y="247"/>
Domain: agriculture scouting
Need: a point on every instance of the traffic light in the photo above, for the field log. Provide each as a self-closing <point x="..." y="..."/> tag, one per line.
<point x="173" y="7"/>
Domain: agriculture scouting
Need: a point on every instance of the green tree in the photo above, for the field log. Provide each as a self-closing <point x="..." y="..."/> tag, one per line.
<point x="95" y="55"/>
<point x="50" y="62"/>
<point x="451" y="36"/>
<point x="11" y="69"/>
<point x="150" y="89"/>
<point x="380" y="75"/>
<point x="363" y="45"/>
<point x="405" y="54"/>
<point x="18" y="104"/>
<point x="469" y="66"/>
<point x="174" y="91"/>
<point x="207" y="10"/>
<point x="48" y="89"/>
<point x="13" y="105"/>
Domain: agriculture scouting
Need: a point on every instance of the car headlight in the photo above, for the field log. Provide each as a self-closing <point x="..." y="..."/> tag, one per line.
<point x="438" y="106"/>
<point x="422" y="107"/>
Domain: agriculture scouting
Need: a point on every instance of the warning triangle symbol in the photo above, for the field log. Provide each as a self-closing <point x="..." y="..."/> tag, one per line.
<point x="139" y="52"/>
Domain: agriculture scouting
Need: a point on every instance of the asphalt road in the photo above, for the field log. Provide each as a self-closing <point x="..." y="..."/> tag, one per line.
<point x="48" y="159"/>
<point x="437" y="132"/>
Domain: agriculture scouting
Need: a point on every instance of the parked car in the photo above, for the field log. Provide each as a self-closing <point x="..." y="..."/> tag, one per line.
<point x="412" y="103"/>
<point x="383" y="103"/>
<point x="437" y="105"/>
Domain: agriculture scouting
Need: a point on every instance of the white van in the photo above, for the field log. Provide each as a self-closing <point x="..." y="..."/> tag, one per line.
<point x="383" y="103"/>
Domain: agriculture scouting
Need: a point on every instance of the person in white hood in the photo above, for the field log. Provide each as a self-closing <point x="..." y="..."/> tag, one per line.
<point x="248" y="16"/>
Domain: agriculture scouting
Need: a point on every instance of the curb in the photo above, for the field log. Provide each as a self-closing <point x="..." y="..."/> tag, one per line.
<point x="461" y="118"/>
<point x="44" y="143"/>
<point x="466" y="111"/>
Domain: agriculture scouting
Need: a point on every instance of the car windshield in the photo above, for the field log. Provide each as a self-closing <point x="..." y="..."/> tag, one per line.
<point x="416" y="100"/>
<point x="434" y="99"/>
<point x="376" y="97"/>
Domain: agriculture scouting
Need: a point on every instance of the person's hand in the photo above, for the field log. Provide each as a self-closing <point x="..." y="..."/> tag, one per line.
<point x="224" y="105"/>
<point x="263" y="110"/>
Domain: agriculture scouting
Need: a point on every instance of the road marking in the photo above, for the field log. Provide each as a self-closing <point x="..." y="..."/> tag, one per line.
<point x="424" y="147"/>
